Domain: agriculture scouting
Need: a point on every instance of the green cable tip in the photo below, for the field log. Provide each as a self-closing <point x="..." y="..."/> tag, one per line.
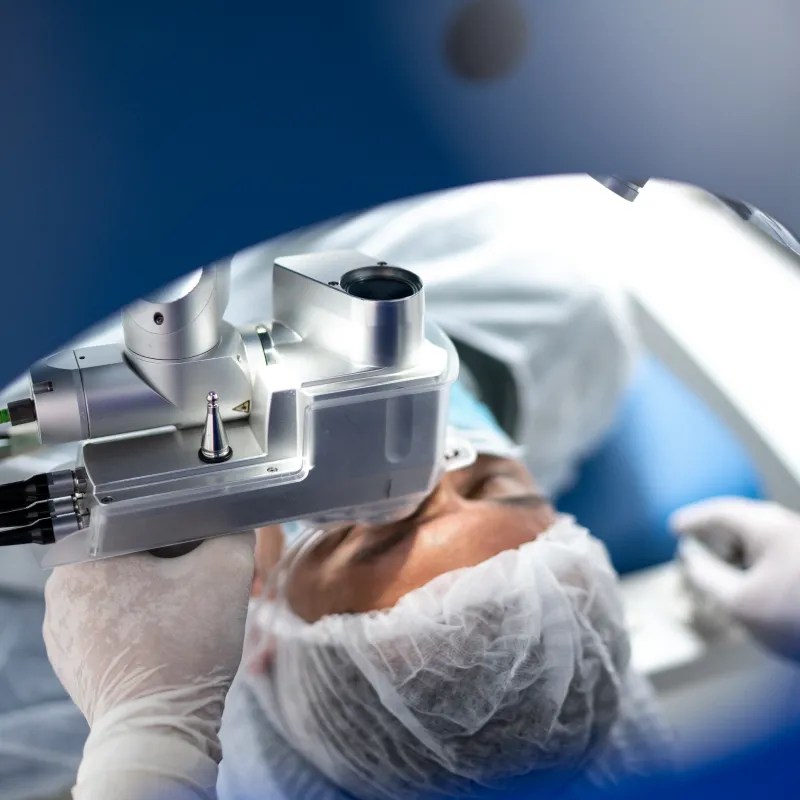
<point x="4" y="416"/>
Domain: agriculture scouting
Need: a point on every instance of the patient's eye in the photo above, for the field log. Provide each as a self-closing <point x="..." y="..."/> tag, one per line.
<point x="493" y="483"/>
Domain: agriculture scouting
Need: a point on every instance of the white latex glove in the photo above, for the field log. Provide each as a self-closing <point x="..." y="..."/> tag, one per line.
<point x="765" y="595"/>
<point x="147" y="649"/>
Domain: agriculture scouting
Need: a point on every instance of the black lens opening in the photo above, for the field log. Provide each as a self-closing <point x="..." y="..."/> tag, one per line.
<point x="380" y="283"/>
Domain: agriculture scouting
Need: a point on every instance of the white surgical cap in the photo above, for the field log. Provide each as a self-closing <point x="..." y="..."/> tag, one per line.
<point x="513" y="667"/>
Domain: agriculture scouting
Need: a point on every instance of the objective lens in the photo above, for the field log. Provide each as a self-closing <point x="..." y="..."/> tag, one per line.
<point x="381" y="283"/>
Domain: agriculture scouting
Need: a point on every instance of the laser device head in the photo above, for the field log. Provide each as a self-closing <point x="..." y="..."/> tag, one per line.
<point x="335" y="409"/>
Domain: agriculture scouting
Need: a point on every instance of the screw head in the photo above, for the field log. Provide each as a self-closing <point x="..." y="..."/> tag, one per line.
<point x="106" y="500"/>
<point x="272" y="469"/>
<point x="158" y="318"/>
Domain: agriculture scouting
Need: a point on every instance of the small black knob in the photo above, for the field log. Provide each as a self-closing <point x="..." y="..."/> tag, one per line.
<point x="21" y="412"/>
<point x="175" y="550"/>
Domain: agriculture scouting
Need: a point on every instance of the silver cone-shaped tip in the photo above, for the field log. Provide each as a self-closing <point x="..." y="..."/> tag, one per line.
<point x="214" y="446"/>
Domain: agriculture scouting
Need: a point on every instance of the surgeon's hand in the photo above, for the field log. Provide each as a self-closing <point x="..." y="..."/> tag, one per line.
<point x="764" y="593"/>
<point x="147" y="649"/>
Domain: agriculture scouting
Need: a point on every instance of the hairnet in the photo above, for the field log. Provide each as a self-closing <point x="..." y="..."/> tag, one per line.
<point x="515" y="666"/>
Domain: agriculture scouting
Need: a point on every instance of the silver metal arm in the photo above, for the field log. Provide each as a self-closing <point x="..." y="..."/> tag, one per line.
<point x="181" y="321"/>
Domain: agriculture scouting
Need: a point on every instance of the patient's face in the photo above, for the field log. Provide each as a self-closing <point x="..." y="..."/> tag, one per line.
<point x="474" y="514"/>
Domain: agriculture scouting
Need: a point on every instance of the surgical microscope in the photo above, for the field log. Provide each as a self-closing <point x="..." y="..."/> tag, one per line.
<point x="191" y="428"/>
<point x="335" y="410"/>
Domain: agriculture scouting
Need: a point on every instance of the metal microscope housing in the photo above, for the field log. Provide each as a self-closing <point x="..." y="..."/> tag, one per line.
<point x="336" y="409"/>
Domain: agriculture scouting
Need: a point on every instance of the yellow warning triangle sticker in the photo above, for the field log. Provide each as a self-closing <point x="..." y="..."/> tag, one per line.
<point x="243" y="408"/>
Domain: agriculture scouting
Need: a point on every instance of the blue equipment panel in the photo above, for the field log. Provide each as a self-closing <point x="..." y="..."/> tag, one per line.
<point x="666" y="449"/>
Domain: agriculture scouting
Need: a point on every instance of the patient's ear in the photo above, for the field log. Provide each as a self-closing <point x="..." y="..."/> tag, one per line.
<point x="269" y="547"/>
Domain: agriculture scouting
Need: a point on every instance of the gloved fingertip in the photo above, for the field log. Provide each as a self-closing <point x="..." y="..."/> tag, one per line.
<point x="235" y="549"/>
<point x="683" y="520"/>
<point x="724" y="511"/>
<point x="709" y="572"/>
<point x="248" y="538"/>
<point x="246" y="541"/>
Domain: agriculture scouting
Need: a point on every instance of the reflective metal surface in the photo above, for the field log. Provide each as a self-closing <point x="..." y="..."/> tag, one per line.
<point x="182" y="320"/>
<point x="334" y="409"/>
<point x="214" y="447"/>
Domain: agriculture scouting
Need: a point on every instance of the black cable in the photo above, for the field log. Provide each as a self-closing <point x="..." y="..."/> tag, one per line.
<point x="25" y="516"/>
<point x="39" y="532"/>
<point x="15" y="536"/>
<point x="21" y="494"/>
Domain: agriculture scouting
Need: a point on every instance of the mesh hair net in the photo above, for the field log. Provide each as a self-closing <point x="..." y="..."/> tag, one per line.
<point x="515" y="667"/>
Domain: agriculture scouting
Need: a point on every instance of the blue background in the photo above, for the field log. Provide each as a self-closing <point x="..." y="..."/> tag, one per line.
<point x="142" y="139"/>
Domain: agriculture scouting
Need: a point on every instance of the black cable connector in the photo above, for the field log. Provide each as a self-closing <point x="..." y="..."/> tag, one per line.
<point x="21" y="494"/>
<point x="28" y="509"/>
<point x="25" y="516"/>
<point x="22" y="412"/>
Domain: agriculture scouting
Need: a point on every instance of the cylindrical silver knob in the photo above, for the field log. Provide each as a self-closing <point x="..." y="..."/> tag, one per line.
<point x="181" y="320"/>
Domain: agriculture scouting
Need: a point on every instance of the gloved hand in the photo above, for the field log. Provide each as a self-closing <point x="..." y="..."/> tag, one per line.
<point x="147" y="649"/>
<point x="764" y="595"/>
